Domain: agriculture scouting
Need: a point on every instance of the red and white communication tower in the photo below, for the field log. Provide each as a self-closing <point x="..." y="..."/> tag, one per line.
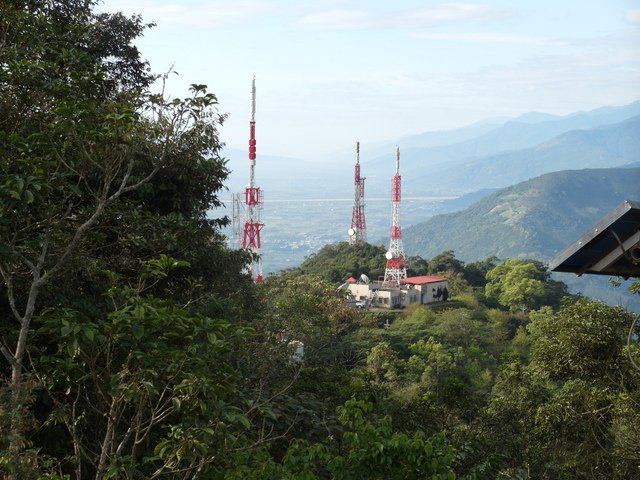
<point x="358" y="230"/>
<point x="248" y="205"/>
<point x="396" y="268"/>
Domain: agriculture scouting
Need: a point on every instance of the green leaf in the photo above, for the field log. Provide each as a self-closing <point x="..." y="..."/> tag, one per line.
<point x="75" y="189"/>
<point x="138" y="330"/>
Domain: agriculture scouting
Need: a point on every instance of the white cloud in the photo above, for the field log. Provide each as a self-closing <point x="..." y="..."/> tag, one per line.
<point x="632" y="16"/>
<point x="189" y="14"/>
<point x="449" y="13"/>
<point x="554" y="83"/>
<point x="489" y="37"/>
<point x="342" y="19"/>
<point x="339" y="20"/>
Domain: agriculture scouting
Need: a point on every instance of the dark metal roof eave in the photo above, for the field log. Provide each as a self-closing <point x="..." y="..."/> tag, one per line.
<point x="589" y="243"/>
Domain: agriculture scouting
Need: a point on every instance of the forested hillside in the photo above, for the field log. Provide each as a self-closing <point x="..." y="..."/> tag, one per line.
<point x="337" y="262"/>
<point x="134" y="345"/>
<point x="534" y="219"/>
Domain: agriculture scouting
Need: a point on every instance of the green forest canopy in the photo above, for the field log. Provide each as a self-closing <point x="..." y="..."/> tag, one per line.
<point x="135" y="346"/>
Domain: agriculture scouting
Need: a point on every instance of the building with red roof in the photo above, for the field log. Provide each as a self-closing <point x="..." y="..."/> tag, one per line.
<point x="412" y="290"/>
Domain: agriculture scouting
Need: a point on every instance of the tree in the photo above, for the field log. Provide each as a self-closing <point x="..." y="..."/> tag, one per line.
<point x="416" y="266"/>
<point x="382" y="362"/>
<point x="476" y="272"/>
<point x="517" y="284"/>
<point x="445" y="262"/>
<point x="364" y="449"/>
<point x="568" y="413"/>
<point x="583" y="340"/>
<point x="337" y="262"/>
<point x="145" y="390"/>
<point x="507" y="431"/>
<point x="79" y="136"/>
<point x="430" y="364"/>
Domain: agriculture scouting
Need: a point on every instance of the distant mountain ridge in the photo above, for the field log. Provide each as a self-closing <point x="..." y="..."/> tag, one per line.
<point x="490" y="154"/>
<point x="526" y="131"/>
<point x="535" y="219"/>
<point x="600" y="147"/>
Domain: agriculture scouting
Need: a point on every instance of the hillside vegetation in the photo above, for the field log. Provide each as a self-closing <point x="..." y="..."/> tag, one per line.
<point x="134" y="345"/>
<point x="534" y="219"/>
<point x="339" y="261"/>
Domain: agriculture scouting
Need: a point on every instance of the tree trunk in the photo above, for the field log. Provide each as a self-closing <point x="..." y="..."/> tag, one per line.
<point x="17" y="370"/>
<point x="108" y="439"/>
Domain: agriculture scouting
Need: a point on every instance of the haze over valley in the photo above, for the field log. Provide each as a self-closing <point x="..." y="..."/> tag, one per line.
<point x="589" y="163"/>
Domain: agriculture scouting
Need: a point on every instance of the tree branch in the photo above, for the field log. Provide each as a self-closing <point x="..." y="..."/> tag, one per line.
<point x="7" y="354"/>
<point x="8" y="281"/>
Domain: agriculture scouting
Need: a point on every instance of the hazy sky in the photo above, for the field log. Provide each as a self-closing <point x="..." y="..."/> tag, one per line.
<point x="330" y="72"/>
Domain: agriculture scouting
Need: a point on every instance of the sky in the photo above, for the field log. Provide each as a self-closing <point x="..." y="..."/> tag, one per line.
<point x="330" y="72"/>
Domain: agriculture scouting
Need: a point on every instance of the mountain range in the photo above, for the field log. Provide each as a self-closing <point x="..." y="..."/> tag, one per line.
<point x="599" y="147"/>
<point x="490" y="154"/>
<point x="533" y="219"/>
<point x="523" y="187"/>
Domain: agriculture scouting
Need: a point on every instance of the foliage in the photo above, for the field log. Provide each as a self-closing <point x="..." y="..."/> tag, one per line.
<point x="584" y="340"/>
<point x="97" y="172"/>
<point x="308" y="309"/>
<point x="522" y="285"/>
<point x="337" y="262"/>
<point x="416" y="266"/>
<point x="154" y="355"/>
<point x="293" y="366"/>
<point x="532" y="219"/>
<point x="382" y="362"/>
<point x="563" y="413"/>
<point x="365" y="449"/>
<point x="476" y="272"/>
<point x="430" y="364"/>
<point x="445" y="262"/>
<point x="147" y="389"/>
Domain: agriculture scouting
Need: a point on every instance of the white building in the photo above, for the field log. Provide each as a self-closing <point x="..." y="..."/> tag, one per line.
<point x="422" y="290"/>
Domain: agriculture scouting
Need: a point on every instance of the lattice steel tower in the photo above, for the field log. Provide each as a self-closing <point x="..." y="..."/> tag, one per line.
<point x="396" y="268"/>
<point x="358" y="231"/>
<point x="248" y="206"/>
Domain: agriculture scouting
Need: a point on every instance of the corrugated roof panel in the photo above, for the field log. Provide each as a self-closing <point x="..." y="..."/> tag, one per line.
<point x="423" y="279"/>
<point x="610" y="247"/>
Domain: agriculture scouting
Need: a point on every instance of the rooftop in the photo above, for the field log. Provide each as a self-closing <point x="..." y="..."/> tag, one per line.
<point x="610" y="247"/>
<point x="423" y="279"/>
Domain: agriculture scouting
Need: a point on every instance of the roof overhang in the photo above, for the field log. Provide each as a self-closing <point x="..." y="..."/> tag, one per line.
<point x="422" y="280"/>
<point x="610" y="247"/>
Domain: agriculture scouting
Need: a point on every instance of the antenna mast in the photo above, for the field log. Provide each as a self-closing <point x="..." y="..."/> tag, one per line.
<point x="248" y="208"/>
<point x="358" y="231"/>
<point x="396" y="267"/>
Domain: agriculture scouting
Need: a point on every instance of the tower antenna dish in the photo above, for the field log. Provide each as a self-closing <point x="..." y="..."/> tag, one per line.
<point x="247" y="206"/>
<point x="396" y="266"/>
<point x="358" y="231"/>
